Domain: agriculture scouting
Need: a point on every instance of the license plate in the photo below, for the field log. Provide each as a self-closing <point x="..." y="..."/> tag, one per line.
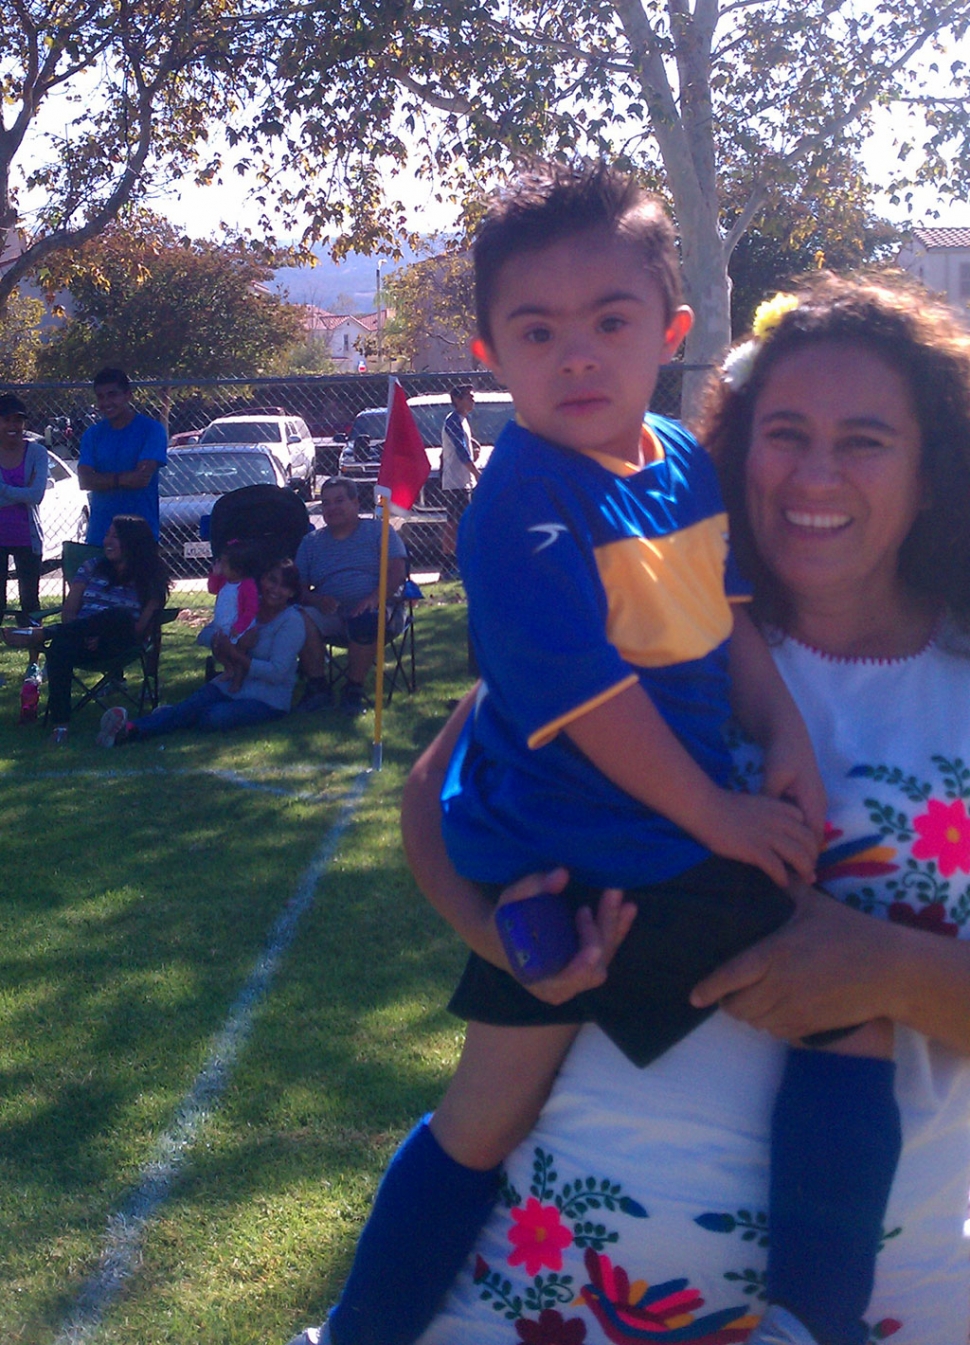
<point x="196" y="549"/>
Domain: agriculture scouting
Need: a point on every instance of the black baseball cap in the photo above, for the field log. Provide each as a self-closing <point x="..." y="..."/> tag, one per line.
<point x="11" y="405"/>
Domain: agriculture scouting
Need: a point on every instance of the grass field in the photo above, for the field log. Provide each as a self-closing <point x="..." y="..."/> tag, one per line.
<point x="139" y="888"/>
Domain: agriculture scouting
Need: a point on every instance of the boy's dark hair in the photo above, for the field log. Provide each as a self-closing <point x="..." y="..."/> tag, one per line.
<point x="113" y="377"/>
<point x="548" y="202"/>
<point x="459" y="391"/>
<point x="242" y="556"/>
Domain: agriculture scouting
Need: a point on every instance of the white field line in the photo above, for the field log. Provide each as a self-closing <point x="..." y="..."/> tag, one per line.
<point x="228" y="776"/>
<point x="121" y="1254"/>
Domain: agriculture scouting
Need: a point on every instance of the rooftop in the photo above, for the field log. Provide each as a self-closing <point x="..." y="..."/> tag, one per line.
<point x="942" y="238"/>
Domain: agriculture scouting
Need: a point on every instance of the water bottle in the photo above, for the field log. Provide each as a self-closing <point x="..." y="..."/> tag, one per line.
<point x="30" y="694"/>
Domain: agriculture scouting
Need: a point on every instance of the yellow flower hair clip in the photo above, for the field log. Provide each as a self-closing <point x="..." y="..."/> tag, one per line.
<point x="770" y="313"/>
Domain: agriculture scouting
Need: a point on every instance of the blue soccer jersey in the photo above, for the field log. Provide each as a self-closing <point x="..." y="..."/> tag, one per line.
<point x="585" y="574"/>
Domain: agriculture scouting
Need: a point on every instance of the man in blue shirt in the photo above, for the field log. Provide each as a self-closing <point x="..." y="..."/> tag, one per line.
<point x="120" y="458"/>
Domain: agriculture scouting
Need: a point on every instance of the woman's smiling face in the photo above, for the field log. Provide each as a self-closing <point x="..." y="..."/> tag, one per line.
<point x="834" y="477"/>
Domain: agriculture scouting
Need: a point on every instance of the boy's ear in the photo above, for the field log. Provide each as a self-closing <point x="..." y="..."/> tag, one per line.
<point x="680" y="324"/>
<point x="483" y="351"/>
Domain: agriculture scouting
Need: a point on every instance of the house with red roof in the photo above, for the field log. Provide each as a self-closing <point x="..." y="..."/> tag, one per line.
<point x="940" y="258"/>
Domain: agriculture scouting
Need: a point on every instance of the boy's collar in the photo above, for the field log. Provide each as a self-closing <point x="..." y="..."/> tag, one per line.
<point x="651" y="451"/>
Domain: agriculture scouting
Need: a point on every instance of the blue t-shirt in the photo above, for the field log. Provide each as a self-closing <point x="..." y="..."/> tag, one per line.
<point x="109" y="450"/>
<point x="584" y="575"/>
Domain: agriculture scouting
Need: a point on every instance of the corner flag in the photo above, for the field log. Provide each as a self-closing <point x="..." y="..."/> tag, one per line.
<point x="404" y="463"/>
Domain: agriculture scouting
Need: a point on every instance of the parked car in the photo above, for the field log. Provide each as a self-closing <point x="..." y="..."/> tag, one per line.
<point x="183" y="439"/>
<point x="189" y="485"/>
<point x="285" y="436"/>
<point x="64" y="510"/>
<point x="361" y="455"/>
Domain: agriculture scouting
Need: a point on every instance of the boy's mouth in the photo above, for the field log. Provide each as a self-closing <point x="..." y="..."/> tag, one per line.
<point x="583" y="403"/>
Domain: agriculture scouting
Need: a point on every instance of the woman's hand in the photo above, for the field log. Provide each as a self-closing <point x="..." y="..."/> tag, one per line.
<point x="828" y="967"/>
<point x="600" y="935"/>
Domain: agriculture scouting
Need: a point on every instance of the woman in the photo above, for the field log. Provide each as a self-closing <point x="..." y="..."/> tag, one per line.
<point x="635" y="1209"/>
<point x="23" y="480"/>
<point x="268" y="672"/>
<point x="109" y="607"/>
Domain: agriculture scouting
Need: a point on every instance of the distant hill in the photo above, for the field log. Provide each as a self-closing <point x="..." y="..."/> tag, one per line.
<point x="323" y="283"/>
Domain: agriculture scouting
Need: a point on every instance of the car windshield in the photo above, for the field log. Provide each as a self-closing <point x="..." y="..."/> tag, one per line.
<point x="242" y="432"/>
<point x="487" y="421"/>
<point x="214" y="473"/>
<point x="371" y="423"/>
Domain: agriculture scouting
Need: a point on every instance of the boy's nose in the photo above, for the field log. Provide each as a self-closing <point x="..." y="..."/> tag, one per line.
<point x="578" y="356"/>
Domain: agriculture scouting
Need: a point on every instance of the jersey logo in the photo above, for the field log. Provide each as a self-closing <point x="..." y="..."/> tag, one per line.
<point x="551" y="533"/>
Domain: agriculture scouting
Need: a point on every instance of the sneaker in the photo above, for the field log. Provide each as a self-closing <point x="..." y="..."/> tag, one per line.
<point x="315" y="700"/>
<point x="114" y="723"/>
<point x="352" y="702"/>
<point x="313" y="1335"/>
<point x="779" y="1327"/>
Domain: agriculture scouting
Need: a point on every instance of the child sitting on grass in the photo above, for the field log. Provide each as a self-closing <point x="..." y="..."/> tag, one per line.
<point x="595" y="560"/>
<point x="232" y="580"/>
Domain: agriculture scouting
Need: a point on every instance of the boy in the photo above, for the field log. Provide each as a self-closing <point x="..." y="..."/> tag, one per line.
<point x="593" y="556"/>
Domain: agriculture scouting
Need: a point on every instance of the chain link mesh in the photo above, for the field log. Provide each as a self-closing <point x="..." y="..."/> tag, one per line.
<point x="324" y="408"/>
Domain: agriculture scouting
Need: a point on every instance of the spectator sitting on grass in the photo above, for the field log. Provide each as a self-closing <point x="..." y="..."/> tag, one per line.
<point x="268" y="673"/>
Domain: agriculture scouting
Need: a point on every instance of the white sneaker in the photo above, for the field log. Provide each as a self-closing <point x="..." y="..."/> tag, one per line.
<point x="113" y="722"/>
<point x="313" y="1335"/>
<point x="779" y="1327"/>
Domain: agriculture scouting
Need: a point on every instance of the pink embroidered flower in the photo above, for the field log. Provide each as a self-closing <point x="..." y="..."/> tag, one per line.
<point x="551" y="1329"/>
<point x="931" y="917"/>
<point x="886" y="1328"/>
<point x="944" y="835"/>
<point x="539" y="1237"/>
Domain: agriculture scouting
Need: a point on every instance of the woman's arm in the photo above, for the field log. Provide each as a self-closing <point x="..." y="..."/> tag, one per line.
<point x="464" y="905"/>
<point x="146" y="616"/>
<point x="276" y="664"/>
<point x="72" y="603"/>
<point x="831" y="966"/>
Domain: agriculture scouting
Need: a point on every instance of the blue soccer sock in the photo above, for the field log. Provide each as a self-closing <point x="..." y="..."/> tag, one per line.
<point x="427" y="1213"/>
<point x="835" y="1143"/>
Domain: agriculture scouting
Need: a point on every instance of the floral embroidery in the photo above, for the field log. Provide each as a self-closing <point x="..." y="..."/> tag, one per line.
<point x="661" y="1312"/>
<point x="551" y="1329"/>
<point x="944" y="835"/>
<point x="539" y="1238"/>
<point x="751" y="1226"/>
<point x="884" y="1329"/>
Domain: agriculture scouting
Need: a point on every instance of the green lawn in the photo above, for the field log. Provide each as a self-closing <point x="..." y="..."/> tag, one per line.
<point x="138" y="888"/>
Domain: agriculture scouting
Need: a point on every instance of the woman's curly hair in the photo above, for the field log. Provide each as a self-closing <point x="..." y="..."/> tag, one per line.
<point x="919" y="337"/>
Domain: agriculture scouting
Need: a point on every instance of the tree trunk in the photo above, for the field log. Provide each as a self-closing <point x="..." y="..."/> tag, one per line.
<point x="708" y="292"/>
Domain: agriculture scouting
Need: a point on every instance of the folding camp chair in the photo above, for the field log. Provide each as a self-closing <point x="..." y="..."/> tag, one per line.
<point x="400" y="659"/>
<point x="111" y="682"/>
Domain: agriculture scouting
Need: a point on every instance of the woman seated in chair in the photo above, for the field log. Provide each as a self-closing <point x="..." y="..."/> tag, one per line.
<point x="268" y="672"/>
<point x="109" y="607"/>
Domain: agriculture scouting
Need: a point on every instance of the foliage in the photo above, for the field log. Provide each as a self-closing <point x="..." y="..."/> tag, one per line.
<point x="311" y="356"/>
<point x="20" y="338"/>
<point x="831" y="224"/>
<point x="161" y="305"/>
<point x="746" y="102"/>
<point x="434" y="309"/>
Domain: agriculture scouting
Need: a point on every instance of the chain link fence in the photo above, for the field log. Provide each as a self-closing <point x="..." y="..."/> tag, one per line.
<point x="236" y="432"/>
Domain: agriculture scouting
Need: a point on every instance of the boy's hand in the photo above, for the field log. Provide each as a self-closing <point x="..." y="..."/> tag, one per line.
<point x="791" y="772"/>
<point x="769" y="833"/>
<point x="599" y="937"/>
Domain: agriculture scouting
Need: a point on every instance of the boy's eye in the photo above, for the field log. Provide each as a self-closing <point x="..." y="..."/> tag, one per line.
<point x="612" y="323"/>
<point x="537" y="335"/>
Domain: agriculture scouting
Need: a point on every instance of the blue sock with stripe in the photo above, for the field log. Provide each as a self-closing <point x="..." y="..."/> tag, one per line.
<point x="835" y="1143"/>
<point x="427" y="1214"/>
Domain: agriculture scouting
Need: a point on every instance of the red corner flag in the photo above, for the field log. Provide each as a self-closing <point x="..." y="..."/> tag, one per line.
<point x="404" y="463"/>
